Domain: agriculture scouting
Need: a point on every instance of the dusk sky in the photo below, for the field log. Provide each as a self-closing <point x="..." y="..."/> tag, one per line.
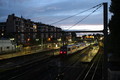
<point x="50" y="11"/>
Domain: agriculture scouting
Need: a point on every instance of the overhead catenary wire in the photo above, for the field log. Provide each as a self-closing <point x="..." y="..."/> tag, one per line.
<point x="84" y="17"/>
<point x="75" y="14"/>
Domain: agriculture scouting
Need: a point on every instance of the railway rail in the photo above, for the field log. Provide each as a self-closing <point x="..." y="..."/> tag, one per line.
<point x="93" y="71"/>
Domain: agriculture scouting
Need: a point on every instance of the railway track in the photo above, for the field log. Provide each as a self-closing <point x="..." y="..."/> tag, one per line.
<point x="41" y="67"/>
<point x="22" y="67"/>
<point x="22" y="70"/>
<point x="64" y="69"/>
<point x="37" y="61"/>
<point x="53" y="68"/>
<point x="93" y="71"/>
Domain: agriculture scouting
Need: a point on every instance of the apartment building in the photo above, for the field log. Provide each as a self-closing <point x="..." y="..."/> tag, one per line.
<point x="21" y="29"/>
<point x="26" y="32"/>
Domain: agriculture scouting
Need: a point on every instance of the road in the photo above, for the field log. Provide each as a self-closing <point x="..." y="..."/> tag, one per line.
<point x="52" y="68"/>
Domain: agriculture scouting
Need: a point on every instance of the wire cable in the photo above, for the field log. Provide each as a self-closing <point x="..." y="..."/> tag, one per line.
<point x="84" y="17"/>
<point x="75" y="14"/>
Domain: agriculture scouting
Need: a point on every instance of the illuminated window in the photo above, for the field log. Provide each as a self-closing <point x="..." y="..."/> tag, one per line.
<point x="34" y="26"/>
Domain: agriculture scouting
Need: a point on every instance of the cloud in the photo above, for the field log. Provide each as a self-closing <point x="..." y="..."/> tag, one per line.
<point x="84" y="27"/>
<point x="49" y="11"/>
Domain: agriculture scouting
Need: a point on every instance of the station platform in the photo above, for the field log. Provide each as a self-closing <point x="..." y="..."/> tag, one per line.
<point x="90" y="55"/>
<point x="22" y="53"/>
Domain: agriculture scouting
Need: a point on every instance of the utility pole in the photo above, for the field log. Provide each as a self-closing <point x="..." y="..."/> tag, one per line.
<point x="105" y="17"/>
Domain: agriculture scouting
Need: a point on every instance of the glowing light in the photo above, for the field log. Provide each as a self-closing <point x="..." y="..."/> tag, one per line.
<point x="64" y="52"/>
<point x="56" y="45"/>
<point x="28" y="39"/>
<point x="49" y="39"/>
<point x="2" y="34"/>
<point x="12" y="39"/>
<point x="34" y="26"/>
<point x="37" y="39"/>
<point x="89" y="36"/>
<point x="60" y="52"/>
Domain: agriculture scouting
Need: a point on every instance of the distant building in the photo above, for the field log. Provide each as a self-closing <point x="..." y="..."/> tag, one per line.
<point x="58" y="33"/>
<point x="49" y="32"/>
<point x="2" y="29"/>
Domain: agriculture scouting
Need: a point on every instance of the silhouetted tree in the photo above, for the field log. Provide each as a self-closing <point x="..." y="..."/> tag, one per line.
<point x="114" y="26"/>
